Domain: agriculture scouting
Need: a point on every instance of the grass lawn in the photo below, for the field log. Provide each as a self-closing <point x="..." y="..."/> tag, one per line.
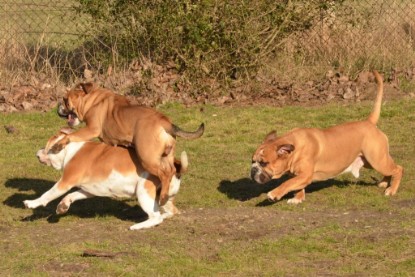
<point x="345" y="227"/>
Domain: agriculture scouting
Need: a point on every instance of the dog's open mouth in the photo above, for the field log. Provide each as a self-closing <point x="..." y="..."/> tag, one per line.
<point x="70" y="116"/>
<point x="71" y="119"/>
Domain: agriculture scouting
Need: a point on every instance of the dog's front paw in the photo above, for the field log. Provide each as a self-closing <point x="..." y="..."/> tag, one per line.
<point x="31" y="204"/>
<point x="57" y="147"/>
<point x="273" y="196"/>
<point x="294" y="201"/>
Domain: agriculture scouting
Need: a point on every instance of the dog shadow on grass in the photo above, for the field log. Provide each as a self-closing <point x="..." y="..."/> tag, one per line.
<point x="88" y="208"/>
<point x="245" y="189"/>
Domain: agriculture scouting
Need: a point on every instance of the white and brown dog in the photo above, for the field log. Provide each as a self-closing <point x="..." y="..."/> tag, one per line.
<point x="311" y="154"/>
<point x="111" y="118"/>
<point x="98" y="169"/>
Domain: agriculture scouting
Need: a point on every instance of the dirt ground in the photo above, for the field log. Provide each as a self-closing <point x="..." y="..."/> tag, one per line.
<point x="202" y="232"/>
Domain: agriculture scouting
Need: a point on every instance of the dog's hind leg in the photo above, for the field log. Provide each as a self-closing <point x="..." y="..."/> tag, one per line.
<point x="147" y="198"/>
<point x="166" y="173"/>
<point x="377" y="155"/>
<point x="164" y="169"/>
<point x="391" y="171"/>
<point x="66" y="202"/>
<point x="158" y="159"/>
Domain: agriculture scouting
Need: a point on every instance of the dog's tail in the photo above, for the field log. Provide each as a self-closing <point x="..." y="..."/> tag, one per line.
<point x="374" y="116"/>
<point x="182" y="164"/>
<point x="176" y="131"/>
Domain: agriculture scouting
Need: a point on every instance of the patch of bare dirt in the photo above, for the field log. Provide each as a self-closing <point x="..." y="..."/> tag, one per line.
<point x="202" y="232"/>
<point x="63" y="269"/>
<point x="149" y="84"/>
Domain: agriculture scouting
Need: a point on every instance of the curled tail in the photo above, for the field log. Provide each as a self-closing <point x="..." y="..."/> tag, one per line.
<point x="176" y="131"/>
<point x="374" y="115"/>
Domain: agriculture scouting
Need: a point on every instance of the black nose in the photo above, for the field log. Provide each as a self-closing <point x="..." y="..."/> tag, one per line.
<point x="254" y="171"/>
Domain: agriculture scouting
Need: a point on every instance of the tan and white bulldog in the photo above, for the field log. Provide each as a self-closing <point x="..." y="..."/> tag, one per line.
<point x="311" y="154"/>
<point x="115" y="121"/>
<point x="98" y="169"/>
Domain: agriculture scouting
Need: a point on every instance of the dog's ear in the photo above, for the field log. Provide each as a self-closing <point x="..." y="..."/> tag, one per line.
<point x="88" y="87"/>
<point x="285" y="149"/>
<point x="66" y="130"/>
<point x="271" y="136"/>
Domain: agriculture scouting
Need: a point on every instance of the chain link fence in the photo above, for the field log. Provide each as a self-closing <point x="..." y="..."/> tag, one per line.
<point x="40" y="35"/>
<point x="352" y="31"/>
<point x="346" y="30"/>
<point x="39" y="21"/>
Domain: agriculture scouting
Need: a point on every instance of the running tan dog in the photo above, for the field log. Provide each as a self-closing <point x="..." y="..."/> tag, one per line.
<point x="98" y="169"/>
<point x="312" y="154"/>
<point x="111" y="118"/>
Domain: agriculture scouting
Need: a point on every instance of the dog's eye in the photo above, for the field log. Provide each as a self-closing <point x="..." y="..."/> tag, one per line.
<point x="263" y="164"/>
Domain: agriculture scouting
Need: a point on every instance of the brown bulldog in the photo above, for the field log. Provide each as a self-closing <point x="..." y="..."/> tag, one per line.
<point x="311" y="154"/>
<point x="115" y="121"/>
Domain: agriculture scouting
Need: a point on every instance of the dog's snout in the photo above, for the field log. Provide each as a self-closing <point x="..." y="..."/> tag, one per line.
<point x="40" y="152"/>
<point x="254" y="171"/>
<point x="42" y="156"/>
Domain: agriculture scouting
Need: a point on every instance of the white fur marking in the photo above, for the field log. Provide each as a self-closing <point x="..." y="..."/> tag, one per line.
<point x="116" y="185"/>
<point x="355" y="167"/>
<point x="148" y="204"/>
<point x="174" y="186"/>
<point x="294" y="201"/>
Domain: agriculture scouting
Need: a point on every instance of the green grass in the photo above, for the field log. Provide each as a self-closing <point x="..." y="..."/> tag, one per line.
<point x="227" y="227"/>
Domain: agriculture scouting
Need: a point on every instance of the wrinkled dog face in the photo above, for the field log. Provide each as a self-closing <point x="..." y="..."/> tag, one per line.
<point x="270" y="160"/>
<point x="51" y="156"/>
<point x="69" y="108"/>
